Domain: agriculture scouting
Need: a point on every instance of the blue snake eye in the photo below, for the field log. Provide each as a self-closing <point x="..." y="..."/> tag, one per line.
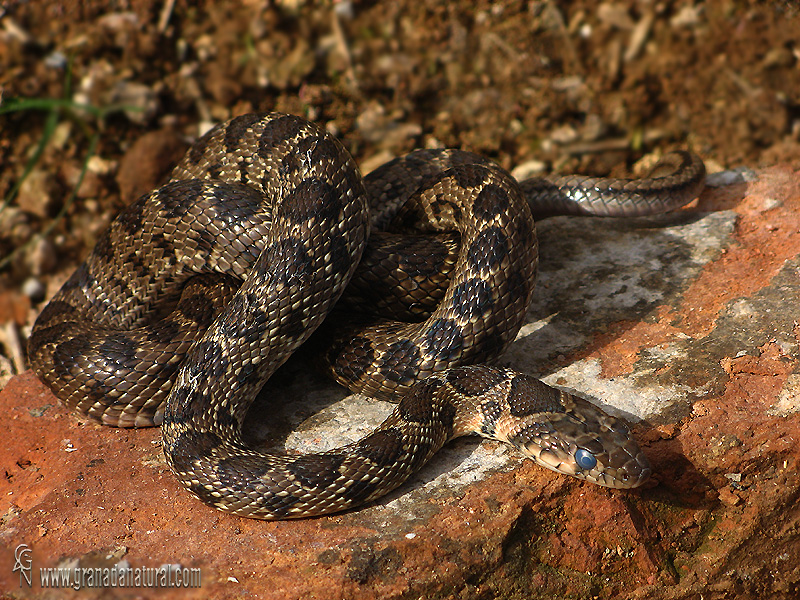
<point x="585" y="459"/>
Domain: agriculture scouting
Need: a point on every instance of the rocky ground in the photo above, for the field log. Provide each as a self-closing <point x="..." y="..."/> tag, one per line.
<point x="100" y="98"/>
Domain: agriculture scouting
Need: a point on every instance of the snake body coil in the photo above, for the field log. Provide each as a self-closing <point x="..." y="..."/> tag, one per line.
<point x="200" y="290"/>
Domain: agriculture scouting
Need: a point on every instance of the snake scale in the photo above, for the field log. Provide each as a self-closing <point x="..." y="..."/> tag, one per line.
<point x="201" y="289"/>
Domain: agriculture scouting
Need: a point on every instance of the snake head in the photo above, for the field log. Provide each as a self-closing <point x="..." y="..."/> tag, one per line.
<point x="584" y="442"/>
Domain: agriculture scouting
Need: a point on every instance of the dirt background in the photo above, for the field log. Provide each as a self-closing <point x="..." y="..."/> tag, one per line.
<point x="563" y="86"/>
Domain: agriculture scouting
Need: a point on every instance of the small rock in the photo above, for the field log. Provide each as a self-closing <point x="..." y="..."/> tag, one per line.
<point x="122" y="26"/>
<point x="614" y="15"/>
<point x="528" y="169"/>
<point x="687" y="16"/>
<point x="56" y="60"/>
<point x="729" y="497"/>
<point x="139" y="101"/>
<point x="37" y="192"/>
<point x="344" y="9"/>
<point x="780" y="57"/>
<point x="15" y="225"/>
<point x="42" y="258"/>
<point x="147" y="163"/>
<point x="731" y="177"/>
<point x="118" y="21"/>
<point x="94" y="83"/>
<point x="788" y="399"/>
<point x="770" y="203"/>
<point x="33" y="289"/>
<point x="564" y="135"/>
<point x="6" y="371"/>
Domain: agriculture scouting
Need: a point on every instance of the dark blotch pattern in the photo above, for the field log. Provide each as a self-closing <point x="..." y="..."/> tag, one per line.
<point x="350" y="358"/>
<point x="493" y="343"/>
<point x="488" y="250"/>
<point x="290" y="164"/>
<point x="224" y="419"/>
<point x="472" y="382"/>
<point x="519" y="286"/>
<point x="473" y="298"/>
<point x="244" y="320"/>
<point x="470" y="176"/>
<point x="214" y="171"/>
<point x="277" y="131"/>
<point x="159" y="240"/>
<point x="528" y="395"/>
<point x="137" y="264"/>
<point x="237" y="204"/>
<point x="443" y="340"/>
<point x="189" y="445"/>
<point x="98" y="390"/>
<point x="400" y="362"/>
<point x="491" y="201"/>
<point x="130" y="219"/>
<point x="316" y="471"/>
<point x="188" y="405"/>
<point x="119" y="349"/>
<point x="43" y="335"/>
<point x="312" y="199"/>
<point x="163" y="331"/>
<point x="491" y="411"/>
<point x="416" y="406"/>
<point x="177" y="197"/>
<point x="341" y="257"/>
<point x="316" y="150"/>
<point x="237" y="129"/>
<point x="383" y="447"/>
<point x="208" y="355"/>
<point x="104" y="247"/>
<point x="290" y="262"/>
<point x="248" y="374"/>
<point x="56" y="308"/>
<point x="68" y="349"/>
<point x="197" y="308"/>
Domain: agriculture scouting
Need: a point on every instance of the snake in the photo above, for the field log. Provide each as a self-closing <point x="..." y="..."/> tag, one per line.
<point x="407" y="284"/>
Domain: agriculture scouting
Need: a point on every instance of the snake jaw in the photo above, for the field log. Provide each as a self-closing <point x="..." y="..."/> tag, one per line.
<point x="631" y="474"/>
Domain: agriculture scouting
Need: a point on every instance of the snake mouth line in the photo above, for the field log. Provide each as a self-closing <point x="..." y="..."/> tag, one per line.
<point x="624" y="474"/>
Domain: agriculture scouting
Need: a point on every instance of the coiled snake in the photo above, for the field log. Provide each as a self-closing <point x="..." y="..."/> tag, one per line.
<point x="200" y="290"/>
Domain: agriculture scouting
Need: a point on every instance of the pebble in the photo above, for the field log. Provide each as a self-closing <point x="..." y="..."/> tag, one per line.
<point x="42" y="258"/>
<point x="724" y="178"/>
<point x="528" y="169"/>
<point x="36" y="193"/>
<point x="34" y="289"/>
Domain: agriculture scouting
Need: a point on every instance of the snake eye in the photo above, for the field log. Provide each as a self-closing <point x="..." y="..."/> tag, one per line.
<point x="585" y="459"/>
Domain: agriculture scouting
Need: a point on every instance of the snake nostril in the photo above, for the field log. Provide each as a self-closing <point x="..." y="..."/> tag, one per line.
<point x="585" y="459"/>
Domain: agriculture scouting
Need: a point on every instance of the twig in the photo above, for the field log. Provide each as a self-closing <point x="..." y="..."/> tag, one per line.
<point x="14" y="345"/>
<point x="166" y="14"/>
<point x="341" y="42"/>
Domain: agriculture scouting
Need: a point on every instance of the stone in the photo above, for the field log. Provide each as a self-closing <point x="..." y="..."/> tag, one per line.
<point x="684" y="323"/>
<point x="147" y="163"/>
